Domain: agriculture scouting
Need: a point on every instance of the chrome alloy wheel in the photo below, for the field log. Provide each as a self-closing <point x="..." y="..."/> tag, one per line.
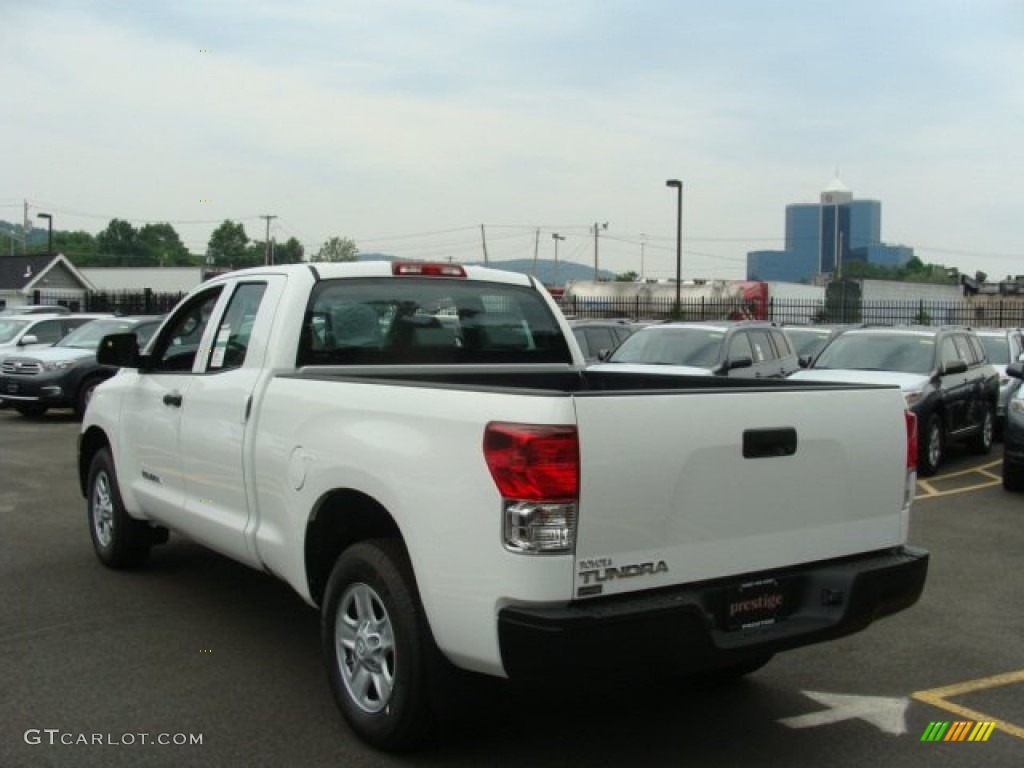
<point x="365" y="648"/>
<point x="102" y="510"/>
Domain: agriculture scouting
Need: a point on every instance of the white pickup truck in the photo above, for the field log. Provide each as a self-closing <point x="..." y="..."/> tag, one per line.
<point x="418" y="450"/>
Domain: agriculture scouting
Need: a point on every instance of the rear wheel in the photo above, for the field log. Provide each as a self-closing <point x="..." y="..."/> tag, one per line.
<point x="932" y="444"/>
<point x="120" y="541"/>
<point x="382" y="662"/>
<point x="981" y="443"/>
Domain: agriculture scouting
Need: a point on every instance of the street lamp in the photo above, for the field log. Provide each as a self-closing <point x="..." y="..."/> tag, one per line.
<point x="556" y="237"/>
<point x="49" y="237"/>
<point x="678" y="185"/>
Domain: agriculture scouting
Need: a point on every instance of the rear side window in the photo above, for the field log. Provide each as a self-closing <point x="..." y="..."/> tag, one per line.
<point x="393" y="321"/>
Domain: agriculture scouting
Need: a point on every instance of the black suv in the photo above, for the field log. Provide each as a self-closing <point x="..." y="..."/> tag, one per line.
<point x="737" y="348"/>
<point x="946" y="378"/>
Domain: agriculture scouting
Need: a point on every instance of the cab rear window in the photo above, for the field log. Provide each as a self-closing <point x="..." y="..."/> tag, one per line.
<point x="388" y="321"/>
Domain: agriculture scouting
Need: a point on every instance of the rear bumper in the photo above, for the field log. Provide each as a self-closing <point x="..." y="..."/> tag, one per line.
<point x="684" y="629"/>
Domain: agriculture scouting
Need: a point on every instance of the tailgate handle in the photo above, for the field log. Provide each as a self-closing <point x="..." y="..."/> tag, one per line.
<point x="765" y="443"/>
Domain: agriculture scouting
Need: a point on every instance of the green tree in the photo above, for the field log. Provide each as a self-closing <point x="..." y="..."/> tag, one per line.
<point x="160" y="245"/>
<point x="79" y="247"/>
<point x="119" y="239"/>
<point x="627" y="277"/>
<point x="289" y="252"/>
<point x="227" y="245"/>
<point x="338" y="249"/>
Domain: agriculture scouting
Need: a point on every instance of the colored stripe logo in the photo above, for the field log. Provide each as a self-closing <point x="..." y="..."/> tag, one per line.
<point x="961" y="730"/>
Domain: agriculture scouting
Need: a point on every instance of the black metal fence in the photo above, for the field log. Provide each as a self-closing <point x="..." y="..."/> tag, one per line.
<point x="144" y="302"/>
<point x="977" y="313"/>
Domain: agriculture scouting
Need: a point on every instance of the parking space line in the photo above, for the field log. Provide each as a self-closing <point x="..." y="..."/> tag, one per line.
<point x="939" y="697"/>
<point x="933" y="493"/>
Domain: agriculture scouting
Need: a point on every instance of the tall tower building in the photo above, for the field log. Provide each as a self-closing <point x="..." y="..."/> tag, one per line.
<point x="822" y="236"/>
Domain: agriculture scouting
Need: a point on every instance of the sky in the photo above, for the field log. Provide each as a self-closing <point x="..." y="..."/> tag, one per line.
<point x="421" y="128"/>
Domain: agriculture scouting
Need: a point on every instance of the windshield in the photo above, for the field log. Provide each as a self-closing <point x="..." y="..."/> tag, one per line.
<point x="904" y="353"/>
<point x="695" y="347"/>
<point x="997" y="348"/>
<point x="808" y="341"/>
<point x="91" y="334"/>
<point x="9" y="329"/>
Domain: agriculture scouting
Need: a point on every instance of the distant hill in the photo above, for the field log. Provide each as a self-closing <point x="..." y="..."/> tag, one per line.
<point x="547" y="271"/>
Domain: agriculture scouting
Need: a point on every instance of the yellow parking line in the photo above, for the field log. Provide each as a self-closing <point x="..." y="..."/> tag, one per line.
<point x="938" y="697"/>
<point x="933" y="493"/>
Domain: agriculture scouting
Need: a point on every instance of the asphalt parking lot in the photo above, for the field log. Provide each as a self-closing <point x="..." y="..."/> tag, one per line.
<point x="222" y="662"/>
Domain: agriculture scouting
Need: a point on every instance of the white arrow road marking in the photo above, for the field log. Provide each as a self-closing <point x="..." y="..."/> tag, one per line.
<point x="885" y="714"/>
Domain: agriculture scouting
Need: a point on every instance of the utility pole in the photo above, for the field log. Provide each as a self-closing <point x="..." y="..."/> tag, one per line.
<point x="267" y="258"/>
<point x="536" y="248"/>
<point x="558" y="273"/>
<point x="643" y="242"/>
<point x="597" y="229"/>
<point x="26" y="229"/>
<point x="483" y="239"/>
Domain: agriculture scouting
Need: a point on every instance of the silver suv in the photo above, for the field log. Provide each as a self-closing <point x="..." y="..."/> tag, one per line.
<point x="735" y="348"/>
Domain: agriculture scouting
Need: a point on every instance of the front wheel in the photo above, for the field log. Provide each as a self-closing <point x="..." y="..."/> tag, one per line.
<point x="1013" y="476"/>
<point x="380" y="654"/>
<point x="120" y="541"/>
<point x="932" y="439"/>
<point x="85" y="395"/>
<point x="31" y="410"/>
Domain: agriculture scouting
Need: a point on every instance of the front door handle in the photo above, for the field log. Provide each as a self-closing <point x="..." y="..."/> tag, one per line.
<point x="173" y="400"/>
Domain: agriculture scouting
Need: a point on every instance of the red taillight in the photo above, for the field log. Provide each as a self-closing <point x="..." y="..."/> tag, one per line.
<point x="911" y="439"/>
<point x="427" y="269"/>
<point x="533" y="462"/>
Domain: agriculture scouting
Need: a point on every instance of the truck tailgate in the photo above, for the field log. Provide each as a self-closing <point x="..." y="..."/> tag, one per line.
<point x="680" y="487"/>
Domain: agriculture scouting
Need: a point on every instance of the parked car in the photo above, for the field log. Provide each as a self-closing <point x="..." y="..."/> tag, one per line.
<point x="809" y="340"/>
<point x="736" y="348"/>
<point x="1013" y="433"/>
<point x="944" y="374"/>
<point x="597" y="337"/>
<point x="1003" y="346"/>
<point x="65" y="375"/>
<point x="22" y="333"/>
<point x="35" y="309"/>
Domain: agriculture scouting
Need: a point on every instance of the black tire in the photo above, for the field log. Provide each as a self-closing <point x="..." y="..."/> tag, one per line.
<point x="381" y="658"/>
<point x="120" y="541"/>
<point x="932" y="444"/>
<point x="981" y="443"/>
<point x="84" y="395"/>
<point x="1013" y="476"/>
<point x="31" y="410"/>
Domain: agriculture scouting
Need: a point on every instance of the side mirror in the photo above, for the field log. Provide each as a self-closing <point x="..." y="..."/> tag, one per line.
<point x="737" y="362"/>
<point x="119" y="349"/>
<point x="602" y="354"/>
<point x="805" y="361"/>
<point x="27" y="339"/>
<point x="1016" y="370"/>
<point x="957" y="366"/>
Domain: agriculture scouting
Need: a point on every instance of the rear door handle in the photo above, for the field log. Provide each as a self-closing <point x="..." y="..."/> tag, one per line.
<point x="173" y="400"/>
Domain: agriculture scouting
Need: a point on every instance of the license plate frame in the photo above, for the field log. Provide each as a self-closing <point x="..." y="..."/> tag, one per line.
<point x="759" y="603"/>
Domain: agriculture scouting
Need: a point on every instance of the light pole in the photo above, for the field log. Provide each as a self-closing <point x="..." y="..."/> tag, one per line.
<point x="643" y="242"/>
<point x="678" y="185"/>
<point x="49" y="236"/>
<point x="556" y="237"/>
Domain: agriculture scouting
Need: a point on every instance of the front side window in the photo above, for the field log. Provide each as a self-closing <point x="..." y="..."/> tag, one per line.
<point x="232" y="340"/>
<point x="47" y="332"/>
<point x="178" y="345"/>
